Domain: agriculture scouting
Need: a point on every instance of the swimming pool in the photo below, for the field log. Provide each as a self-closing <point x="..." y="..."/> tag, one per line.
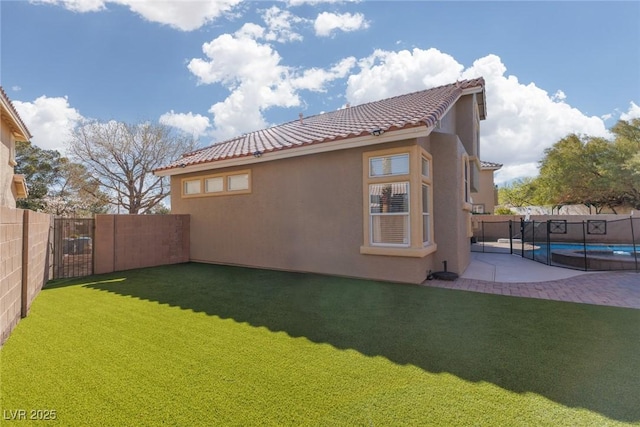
<point x="597" y="256"/>
<point x="615" y="249"/>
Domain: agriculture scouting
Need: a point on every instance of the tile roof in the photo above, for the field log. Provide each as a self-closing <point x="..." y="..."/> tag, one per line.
<point x="423" y="108"/>
<point x="490" y="165"/>
<point x="17" y="125"/>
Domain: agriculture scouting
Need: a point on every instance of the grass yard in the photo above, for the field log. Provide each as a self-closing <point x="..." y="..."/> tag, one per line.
<point x="197" y="344"/>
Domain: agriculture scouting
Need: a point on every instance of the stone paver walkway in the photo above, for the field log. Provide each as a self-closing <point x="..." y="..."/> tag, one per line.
<point x="617" y="289"/>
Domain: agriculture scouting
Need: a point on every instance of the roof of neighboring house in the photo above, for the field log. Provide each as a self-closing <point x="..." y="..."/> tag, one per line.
<point x="490" y="165"/>
<point x="11" y="116"/>
<point x="417" y="109"/>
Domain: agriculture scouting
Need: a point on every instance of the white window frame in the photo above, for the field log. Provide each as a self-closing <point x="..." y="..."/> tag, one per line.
<point x="415" y="247"/>
<point x="407" y="215"/>
<point x="225" y="191"/>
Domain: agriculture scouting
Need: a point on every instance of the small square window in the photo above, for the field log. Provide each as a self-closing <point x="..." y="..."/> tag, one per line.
<point x="192" y="187"/>
<point x="389" y="165"/>
<point x="425" y="167"/>
<point x="214" y="185"/>
<point x="238" y="182"/>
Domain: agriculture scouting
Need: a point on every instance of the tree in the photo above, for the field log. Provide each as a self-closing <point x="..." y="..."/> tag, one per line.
<point x="56" y="185"/>
<point x="122" y="158"/>
<point x="593" y="171"/>
<point x="41" y="169"/>
<point x="521" y="192"/>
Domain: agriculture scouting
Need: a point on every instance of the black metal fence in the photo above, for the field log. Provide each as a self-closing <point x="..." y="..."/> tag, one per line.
<point x="591" y="244"/>
<point x="72" y="247"/>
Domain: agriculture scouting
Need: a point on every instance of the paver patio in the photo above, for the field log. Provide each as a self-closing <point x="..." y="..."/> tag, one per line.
<point x="616" y="289"/>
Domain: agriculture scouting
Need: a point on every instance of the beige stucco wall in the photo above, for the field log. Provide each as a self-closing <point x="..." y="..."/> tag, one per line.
<point x="452" y="217"/>
<point x="306" y="214"/>
<point x="303" y="214"/>
<point x="487" y="193"/>
<point x="7" y="192"/>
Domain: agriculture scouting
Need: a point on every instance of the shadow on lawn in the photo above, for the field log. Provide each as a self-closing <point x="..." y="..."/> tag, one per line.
<point x="577" y="355"/>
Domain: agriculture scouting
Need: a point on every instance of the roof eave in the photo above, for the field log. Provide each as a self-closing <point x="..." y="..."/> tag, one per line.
<point x="18" y="127"/>
<point x="297" y="151"/>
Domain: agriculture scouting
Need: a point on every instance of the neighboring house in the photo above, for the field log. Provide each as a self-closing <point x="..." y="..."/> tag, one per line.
<point x="486" y="198"/>
<point x="378" y="191"/>
<point x="12" y="186"/>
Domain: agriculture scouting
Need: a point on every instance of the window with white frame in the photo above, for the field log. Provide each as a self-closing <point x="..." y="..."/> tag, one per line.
<point x="426" y="200"/>
<point x="192" y="187"/>
<point x="237" y="182"/>
<point x="214" y="185"/>
<point x="389" y="165"/>
<point x="389" y="210"/>
<point x="397" y="202"/>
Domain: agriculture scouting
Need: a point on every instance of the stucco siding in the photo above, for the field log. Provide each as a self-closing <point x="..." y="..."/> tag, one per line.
<point x="451" y="220"/>
<point x="7" y="192"/>
<point x="303" y="214"/>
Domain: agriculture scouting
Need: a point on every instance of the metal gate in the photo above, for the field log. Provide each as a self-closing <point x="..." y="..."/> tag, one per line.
<point x="73" y="247"/>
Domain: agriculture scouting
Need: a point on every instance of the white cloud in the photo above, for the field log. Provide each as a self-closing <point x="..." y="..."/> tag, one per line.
<point x="193" y="124"/>
<point x="327" y="22"/>
<point x="81" y="6"/>
<point x="256" y="78"/>
<point x="315" y="79"/>
<point x="633" y="113"/>
<point x="384" y="74"/>
<point x="522" y="119"/>
<point x="50" y="121"/>
<point x="314" y="2"/>
<point x="185" y="15"/>
<point x="279" y="23"/>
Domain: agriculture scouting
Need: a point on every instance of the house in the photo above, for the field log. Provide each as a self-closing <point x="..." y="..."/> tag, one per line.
<point x="12" y="186"/>
<point x="379" y="191"/>
<point x="485" y="198"/>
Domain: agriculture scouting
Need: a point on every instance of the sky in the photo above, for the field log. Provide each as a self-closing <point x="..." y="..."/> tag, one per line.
<point x="217" y="69"/>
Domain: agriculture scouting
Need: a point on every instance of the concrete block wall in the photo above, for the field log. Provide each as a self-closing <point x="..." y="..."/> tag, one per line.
<point x="125" y="242"/>
<point x="36" y="254"/>
<point x="24" y="263"/>
<point x="11" y="231"/>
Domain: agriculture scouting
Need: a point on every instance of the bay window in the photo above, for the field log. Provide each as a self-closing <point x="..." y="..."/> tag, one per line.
<point x="397" y="196"/>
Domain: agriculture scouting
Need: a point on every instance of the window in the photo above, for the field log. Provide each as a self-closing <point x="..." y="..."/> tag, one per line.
<point x="217" y="185"/>
<point x="214" y="185"/>
<point x="389" y="210"/>
<point x="389" y="165"/>
<point x="192" y="187"/>
<point x="238" y="182"/>
<point x="426" y="199"/>
<point x="465" y="166"/>
<point x="426" y="169"/>
<point x="397" y="202"/>
<point x="426" y="220"/>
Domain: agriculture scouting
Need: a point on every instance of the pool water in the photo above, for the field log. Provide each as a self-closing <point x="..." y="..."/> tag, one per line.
<point x="616" y="249"/>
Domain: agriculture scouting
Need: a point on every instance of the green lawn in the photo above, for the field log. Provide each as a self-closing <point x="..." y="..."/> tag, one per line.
<point x="197" y="344"/>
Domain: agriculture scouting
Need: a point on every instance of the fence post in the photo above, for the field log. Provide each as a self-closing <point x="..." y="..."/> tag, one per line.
<point x="633" y="244"/>
<point x="510" y="237"/>
<point x="548" y="242"/>
<point x="522" y="237"/>
<point x="24" y="291"/>
<point x="584" y="245"/>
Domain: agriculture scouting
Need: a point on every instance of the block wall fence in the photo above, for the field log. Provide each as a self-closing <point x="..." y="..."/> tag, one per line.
<point x="25" y="253"/>
<point x="121" y="242"/>
<point x="125" y="242"/>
